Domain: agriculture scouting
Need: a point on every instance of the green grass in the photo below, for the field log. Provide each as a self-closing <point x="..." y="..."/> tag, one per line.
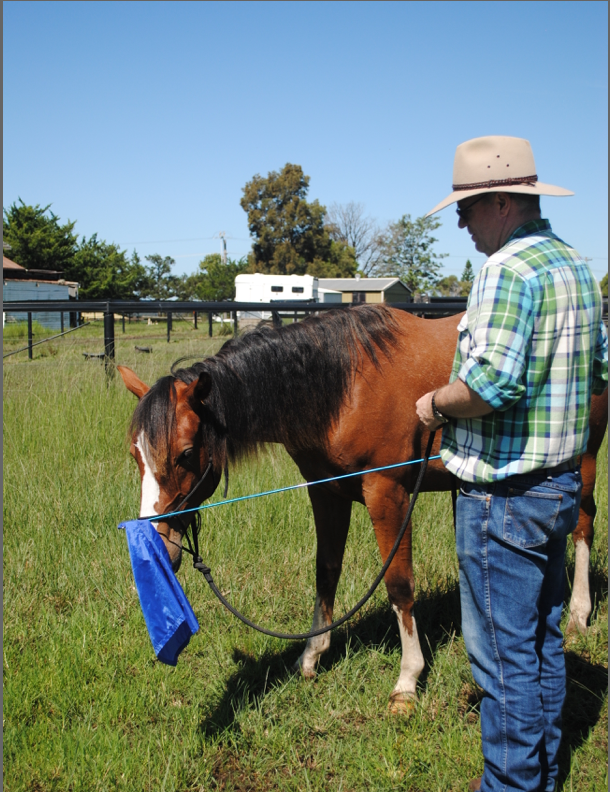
<point x="88" y="707"/>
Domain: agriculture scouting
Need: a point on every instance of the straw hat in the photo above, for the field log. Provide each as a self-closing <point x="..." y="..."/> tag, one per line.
<point x="498" y="164"/>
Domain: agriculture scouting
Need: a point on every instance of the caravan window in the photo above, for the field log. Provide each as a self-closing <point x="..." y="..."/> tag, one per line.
<point x="277" y="288"/>
<point x="297" y="290"/>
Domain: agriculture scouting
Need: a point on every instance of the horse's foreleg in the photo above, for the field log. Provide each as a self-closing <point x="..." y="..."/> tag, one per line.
<point x="387" y="505"/>
<point x="332" y="516"/>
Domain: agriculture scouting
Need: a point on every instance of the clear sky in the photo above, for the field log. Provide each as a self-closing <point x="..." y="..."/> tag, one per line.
<point x="143" y="121"/>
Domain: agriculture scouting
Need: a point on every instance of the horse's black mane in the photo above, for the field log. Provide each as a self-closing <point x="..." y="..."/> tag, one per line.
<point x="289" y="382"/>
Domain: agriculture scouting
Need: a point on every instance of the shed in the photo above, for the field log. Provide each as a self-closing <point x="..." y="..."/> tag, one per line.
<point x="19" y="283"/>
<point x="364" y="290"/>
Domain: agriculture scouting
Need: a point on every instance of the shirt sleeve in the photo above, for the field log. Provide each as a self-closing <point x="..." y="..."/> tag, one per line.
<point x="600" y="362"/>
<point x="500" y="325"/>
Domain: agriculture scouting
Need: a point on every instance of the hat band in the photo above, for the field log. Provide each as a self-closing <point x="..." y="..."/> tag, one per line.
<point x="496" y="183"/>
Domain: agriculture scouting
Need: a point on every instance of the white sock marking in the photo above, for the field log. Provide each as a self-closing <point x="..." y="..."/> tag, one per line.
<point x="580" y="604"/>
<point x="315" y="647"/>
<point x="412" y="663"/>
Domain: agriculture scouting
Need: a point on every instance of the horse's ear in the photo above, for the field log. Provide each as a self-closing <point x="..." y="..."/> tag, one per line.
<point x="200" y="389"/>
<point x="132" y="382"/>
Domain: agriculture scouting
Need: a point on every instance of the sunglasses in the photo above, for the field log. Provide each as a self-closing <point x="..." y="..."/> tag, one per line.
<point x="464" y="212"/>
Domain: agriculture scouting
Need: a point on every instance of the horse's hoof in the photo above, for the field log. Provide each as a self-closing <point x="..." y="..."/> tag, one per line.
<point x="402" y="703"/>
<point x="576" y="625"/>
<point x="307" y="672"/>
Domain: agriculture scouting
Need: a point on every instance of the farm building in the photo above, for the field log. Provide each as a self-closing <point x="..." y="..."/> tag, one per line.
<point x="21" y="284"/>
<point x="364" y="290"/>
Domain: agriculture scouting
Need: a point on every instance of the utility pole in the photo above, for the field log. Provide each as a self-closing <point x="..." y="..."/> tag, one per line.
<point x="223" y="247"/>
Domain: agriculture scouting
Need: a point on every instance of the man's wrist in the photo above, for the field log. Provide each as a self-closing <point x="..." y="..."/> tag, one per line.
<point x="437" y="413"/>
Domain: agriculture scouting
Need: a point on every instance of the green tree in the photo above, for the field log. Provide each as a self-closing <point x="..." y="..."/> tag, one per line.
<point x="452" y="287"/>
<point x="288" y="231"/>
<point x="468" y="274"/>
<point x="37" y="239"/>
<point x="408" y="253"/>
<point x="160" y="284"/>
<point x="105" y="272"/>
<point x="603" y="284"/>
<point x="214" y="282"/>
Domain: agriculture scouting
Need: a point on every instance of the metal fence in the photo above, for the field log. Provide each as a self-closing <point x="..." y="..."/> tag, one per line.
<point x="111" y="308"/>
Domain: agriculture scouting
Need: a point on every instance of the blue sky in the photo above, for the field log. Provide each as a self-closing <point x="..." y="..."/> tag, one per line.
<point x="143" y="121"/>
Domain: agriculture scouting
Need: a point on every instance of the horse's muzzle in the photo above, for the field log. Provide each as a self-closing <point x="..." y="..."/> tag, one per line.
<point x="172" y="539"/>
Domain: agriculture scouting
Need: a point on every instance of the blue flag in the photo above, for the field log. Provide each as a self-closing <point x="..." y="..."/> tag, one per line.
<point x="168" y="614"/>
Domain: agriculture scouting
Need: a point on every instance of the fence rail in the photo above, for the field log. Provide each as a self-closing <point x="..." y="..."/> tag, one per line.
<point x="109" y="308"/>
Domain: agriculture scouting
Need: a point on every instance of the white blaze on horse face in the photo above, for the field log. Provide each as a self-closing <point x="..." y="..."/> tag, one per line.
<point x="412" y="663"/>
<point x="150" y="488"/>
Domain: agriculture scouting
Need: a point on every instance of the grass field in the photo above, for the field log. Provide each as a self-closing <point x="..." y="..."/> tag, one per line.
<point x="88" y="707"/>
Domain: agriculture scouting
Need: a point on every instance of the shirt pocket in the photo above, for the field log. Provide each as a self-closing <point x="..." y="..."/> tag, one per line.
<point x="530" y="516"/>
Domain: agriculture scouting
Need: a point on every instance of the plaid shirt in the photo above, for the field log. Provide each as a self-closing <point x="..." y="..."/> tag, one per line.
<point x="533" y="346"/>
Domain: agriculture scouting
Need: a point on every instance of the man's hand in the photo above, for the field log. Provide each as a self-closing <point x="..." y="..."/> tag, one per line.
<point x="423" y="408"/>
<point x="455" y="401"/>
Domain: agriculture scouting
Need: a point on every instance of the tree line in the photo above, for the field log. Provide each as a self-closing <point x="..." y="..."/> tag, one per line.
<point x="291" y="235"/>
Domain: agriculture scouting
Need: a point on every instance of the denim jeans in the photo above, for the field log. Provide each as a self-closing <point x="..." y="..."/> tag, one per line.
<point x="511" y="541"/>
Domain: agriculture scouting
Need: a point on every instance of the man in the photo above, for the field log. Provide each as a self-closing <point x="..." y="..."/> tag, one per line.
<point x="531" y="350"/>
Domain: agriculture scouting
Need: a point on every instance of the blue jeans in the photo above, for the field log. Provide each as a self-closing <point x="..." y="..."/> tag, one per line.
<point x="511" y="541"/>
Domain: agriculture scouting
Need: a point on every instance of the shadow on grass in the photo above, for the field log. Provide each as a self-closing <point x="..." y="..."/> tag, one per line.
<point x="587" y="684"/>
<point x="437" y="614"/>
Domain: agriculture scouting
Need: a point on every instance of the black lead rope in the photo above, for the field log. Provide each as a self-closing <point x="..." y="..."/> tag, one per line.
<point x="205" y="570"/>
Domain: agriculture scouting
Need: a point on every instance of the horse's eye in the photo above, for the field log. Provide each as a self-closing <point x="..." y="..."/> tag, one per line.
<point x="186" y="458"/>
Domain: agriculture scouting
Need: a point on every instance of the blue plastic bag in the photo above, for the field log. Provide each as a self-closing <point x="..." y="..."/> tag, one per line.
<point x="168" y="614"/>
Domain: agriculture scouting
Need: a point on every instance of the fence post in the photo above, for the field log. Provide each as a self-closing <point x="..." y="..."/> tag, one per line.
<point x="61" y="322"/>
<point x="195" y="315"/>
<point x="123" y="318"/>
<point x="30" y="335"/>
<point x="210" y="323"/>
<point x="235" y="325"/>
<point x="169" y="324"/>
<point x="109" y="341"/>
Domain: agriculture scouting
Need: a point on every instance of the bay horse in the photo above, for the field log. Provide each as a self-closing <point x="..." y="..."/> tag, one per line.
<point x="339" y="392"/>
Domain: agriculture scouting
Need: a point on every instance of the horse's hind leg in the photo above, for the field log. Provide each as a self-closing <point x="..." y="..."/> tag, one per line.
<point x="332" y="516"/>
<point x="387" y="504"/>
<point x="580" y="603"/>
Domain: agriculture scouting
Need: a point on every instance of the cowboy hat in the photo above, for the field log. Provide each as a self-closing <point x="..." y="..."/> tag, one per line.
<point x="498" y="164"/>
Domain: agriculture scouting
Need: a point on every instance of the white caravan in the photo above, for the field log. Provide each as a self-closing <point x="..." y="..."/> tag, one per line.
<point x="273" y="288"/>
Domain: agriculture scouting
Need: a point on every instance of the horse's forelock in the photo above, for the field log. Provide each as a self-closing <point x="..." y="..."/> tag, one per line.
<point x="155" y="416"/>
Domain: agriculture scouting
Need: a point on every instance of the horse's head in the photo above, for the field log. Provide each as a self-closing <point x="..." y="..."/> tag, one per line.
<point x="168" y="443"/>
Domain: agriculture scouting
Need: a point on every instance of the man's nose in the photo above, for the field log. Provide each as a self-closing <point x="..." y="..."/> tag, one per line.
<point x="462" y="223"/>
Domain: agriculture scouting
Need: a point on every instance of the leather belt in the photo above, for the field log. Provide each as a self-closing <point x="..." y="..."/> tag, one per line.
<point x="563" y="467"/>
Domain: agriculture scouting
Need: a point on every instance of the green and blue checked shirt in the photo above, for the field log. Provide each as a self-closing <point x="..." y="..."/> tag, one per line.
<point x="533" y="346"/>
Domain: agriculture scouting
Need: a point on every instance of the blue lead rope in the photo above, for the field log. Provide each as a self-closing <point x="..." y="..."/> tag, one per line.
<point x="158" y="517"/>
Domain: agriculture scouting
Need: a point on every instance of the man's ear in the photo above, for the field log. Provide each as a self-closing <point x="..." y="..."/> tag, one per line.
<point x="199" y="390"/>
<point x="132" y="381"/>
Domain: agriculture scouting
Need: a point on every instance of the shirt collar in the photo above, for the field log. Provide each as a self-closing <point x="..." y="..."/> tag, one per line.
<point x="529" y="228"/>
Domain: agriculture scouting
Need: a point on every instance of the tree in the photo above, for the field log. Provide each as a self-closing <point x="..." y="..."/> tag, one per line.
<point x="468" y="274"/>
<point x="37" y="239"/>
<point x="214" y="282"/>
<point x="105" y="272"/>
<point x="452" y="287"/>
<point x="407" y="253"/>
<point x="160" y="284"/>
<point x="603" y="284"/>
<point x="347" y="223"/>
<point x="289" y="234"/>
